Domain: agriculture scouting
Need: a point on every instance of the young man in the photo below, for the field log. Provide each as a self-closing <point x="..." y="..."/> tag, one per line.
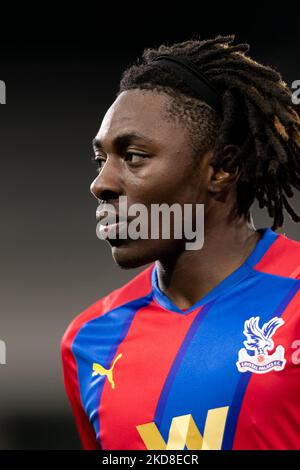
<point x="202" y="349"/>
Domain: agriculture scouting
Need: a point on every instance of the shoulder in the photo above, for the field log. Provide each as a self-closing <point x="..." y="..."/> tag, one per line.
<point x="282" y="258"/>
<point x="137" y="287"/>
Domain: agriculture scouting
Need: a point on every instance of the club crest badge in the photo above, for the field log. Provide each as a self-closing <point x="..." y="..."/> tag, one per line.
<point x="259" y="342"/>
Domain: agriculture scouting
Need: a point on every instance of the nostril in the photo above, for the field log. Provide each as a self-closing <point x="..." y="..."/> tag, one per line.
<point x="107" y="194"/>
<point x="92" y="190"/>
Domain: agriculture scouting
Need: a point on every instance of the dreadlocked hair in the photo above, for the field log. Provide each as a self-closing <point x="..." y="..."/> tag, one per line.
<point x="257" y="114"/>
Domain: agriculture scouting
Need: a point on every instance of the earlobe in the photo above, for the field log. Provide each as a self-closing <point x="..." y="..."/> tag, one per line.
<point x="222" y="180"/>
<point x="219" y="181"/>
<point x="224" y="177"/>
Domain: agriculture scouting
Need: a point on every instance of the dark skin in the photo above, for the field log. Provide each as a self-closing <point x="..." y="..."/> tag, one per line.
<point x="163" y="170"/>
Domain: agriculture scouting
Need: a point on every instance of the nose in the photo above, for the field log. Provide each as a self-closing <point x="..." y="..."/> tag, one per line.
<point x="109" y="179"/>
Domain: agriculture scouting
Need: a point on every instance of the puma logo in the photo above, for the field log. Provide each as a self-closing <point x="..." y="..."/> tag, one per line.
<point x="98" y="369"/>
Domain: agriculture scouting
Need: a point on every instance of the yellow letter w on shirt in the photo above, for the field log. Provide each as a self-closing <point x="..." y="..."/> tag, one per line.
<point x="184" y="432"/>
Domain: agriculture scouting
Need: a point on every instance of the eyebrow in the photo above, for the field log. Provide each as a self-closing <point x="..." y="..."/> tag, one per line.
<point x="121" y="141"/>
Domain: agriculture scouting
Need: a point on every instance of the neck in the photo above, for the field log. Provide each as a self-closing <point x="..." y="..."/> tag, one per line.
<point x="188" y="276"/>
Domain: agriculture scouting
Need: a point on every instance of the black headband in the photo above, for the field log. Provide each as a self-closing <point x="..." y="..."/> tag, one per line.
<point x="197" y="82"/>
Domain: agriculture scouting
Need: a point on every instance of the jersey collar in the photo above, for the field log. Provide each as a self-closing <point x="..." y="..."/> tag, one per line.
<point x="268" y="236"/>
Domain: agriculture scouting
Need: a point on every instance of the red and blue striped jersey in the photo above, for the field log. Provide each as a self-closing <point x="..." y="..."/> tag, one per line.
<point x="141" y="373"/>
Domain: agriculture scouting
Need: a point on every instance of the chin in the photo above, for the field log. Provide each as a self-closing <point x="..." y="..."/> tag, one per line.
<point x="127" y="257"/>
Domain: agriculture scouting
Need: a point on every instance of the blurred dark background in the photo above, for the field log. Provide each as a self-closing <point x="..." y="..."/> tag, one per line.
<point x="62" y="70"/>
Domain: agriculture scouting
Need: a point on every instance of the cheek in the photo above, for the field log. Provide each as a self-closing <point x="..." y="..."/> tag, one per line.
<point x="167" y="184"/>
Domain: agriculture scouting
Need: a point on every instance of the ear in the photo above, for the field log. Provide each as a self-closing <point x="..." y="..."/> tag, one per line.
<point x="224" y="177"/>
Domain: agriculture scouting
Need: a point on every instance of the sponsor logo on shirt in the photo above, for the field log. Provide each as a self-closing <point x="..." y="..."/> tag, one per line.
<point x="184" y="432"/>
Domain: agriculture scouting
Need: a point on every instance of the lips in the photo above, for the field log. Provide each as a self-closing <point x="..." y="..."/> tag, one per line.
<point x="112" y="227"/>
<point x="109" y="217"/>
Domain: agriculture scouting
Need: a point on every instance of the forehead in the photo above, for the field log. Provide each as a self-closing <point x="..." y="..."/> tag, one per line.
<point x="142" y="112"/>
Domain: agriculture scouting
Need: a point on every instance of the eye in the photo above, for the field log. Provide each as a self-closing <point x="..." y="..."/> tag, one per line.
<point x="99" y="162"/>
<point x="134" y="157"/>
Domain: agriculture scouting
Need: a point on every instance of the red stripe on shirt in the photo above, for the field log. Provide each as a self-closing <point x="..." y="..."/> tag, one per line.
<point x="282" y="258"/>
<point x="148" y="352"/>
<point x="137" y="287"/>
